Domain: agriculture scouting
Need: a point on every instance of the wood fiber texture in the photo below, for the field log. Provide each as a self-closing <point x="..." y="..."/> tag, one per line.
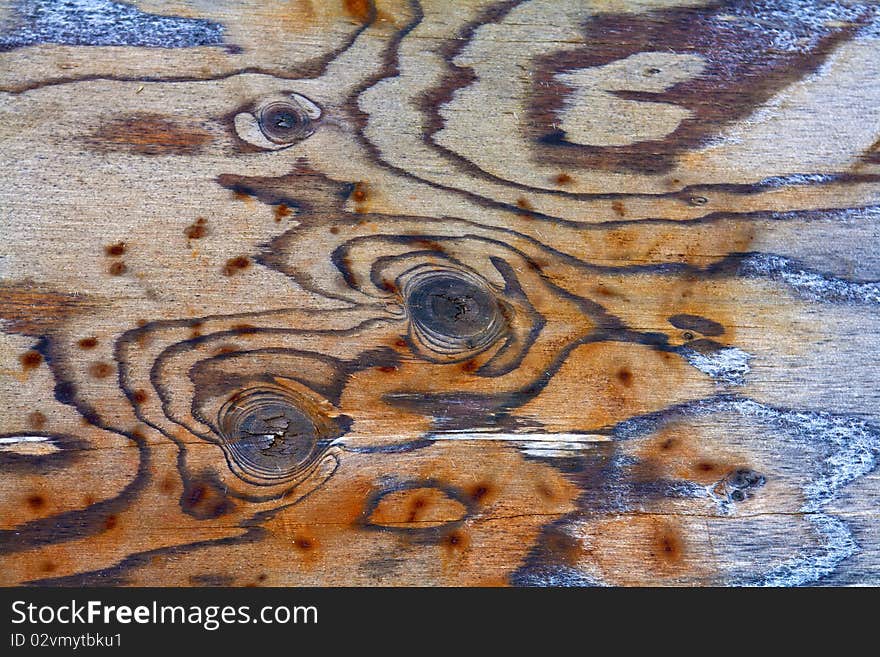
<point x="439" y="293"/>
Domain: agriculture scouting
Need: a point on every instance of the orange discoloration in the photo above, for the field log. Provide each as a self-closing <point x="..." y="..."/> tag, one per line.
<point x="359" y="10"/>
<point x="419" y="507"/>
<point x="281" y="212"/>
<point x="149" y="134"/>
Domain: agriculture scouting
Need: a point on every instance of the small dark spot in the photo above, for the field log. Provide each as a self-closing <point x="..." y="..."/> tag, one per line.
<point x="244" y="329"/>
<point x="334" y="230"/>
<point x="196" y="329"/>
<point x="387" y="368"/>
<point x="652" y="71"/>
<point x="698" y="200"/>
<point x="282" y="211"/>
<point x="401" y="343"/>
<point x="139" y="396"/>
<point x="479" y="492"/>
<point x="31" y="359"/>
<point x="454" y="539"/>
<point x="47" y="567"/>
<point x="236" y="264"/>
<point x="36" y="420"/>
<point x="303" y="543"/>
<point x="389" y="286"/>
<point x="36" y="502"/>
<point x="100" y="370"/>
<point x="239" y="195"/>
<point x="196" y="230"/>
<point x="619" y="208"/>
<point x="737" y="496"/>
<point x="563" y="179"/>
<point x="117" y="268"/>
<point x="115" y="250"/>
<point x="687" y="335"/>
<point x="110" y="522"/>
<point x="625" y="376"/>
<point x="88" y="343"/>
<point x="705" y="466"/>
<point x="524" y="204"/>
<point x="669" y="443"/>
<point x="262" y="577"/>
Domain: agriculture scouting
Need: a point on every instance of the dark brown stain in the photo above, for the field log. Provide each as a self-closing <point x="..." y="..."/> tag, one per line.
<point x="239" y="195"/>
<point x="196" y="329"/>
<point x="625" y="376"/>
<point x="47" y="567"/>
<point x="196" y="230"/>
<point x="304" y="543"/>
<point x="36" y="420"/>
<point x="281" y="212"/>
<point x="236" y="264"/>
<point x="88" y="343"/>
<point x="117" y="269"/>
<point x="470" y="365"/>
<point x="524" y="204"/>
<point x="35" y="502"/>
<point x="480" y="492"/>
<point x="203" y="499"/>
<point x="100" y="370"/>
<point x="30" y="360"/>
<point x="114" y="250"/>
<point x="388" y="369"/>
<point x="244" y="329"/>
<point x="110" y="522"/>
<point x="139" y="396"/>
<point x="334" y="230"/>
<point x="619" y="208"/>
<point x="563" y="179"/>
<point x="149" y="134"/>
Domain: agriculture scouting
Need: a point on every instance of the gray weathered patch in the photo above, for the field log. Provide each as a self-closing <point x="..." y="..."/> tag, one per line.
<point x="102" y="23"/>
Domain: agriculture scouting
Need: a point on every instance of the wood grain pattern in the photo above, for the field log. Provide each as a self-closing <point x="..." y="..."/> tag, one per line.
<point x="447" y="293"/>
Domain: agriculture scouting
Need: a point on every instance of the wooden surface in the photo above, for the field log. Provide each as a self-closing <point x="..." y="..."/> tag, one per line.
<point x="447" y="293"/>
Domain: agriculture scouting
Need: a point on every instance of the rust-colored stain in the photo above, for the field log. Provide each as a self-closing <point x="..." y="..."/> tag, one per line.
<point x="149" y="134"/>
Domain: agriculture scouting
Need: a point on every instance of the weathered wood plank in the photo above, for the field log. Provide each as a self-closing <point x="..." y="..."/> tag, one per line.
<point x="455" y="293"/>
